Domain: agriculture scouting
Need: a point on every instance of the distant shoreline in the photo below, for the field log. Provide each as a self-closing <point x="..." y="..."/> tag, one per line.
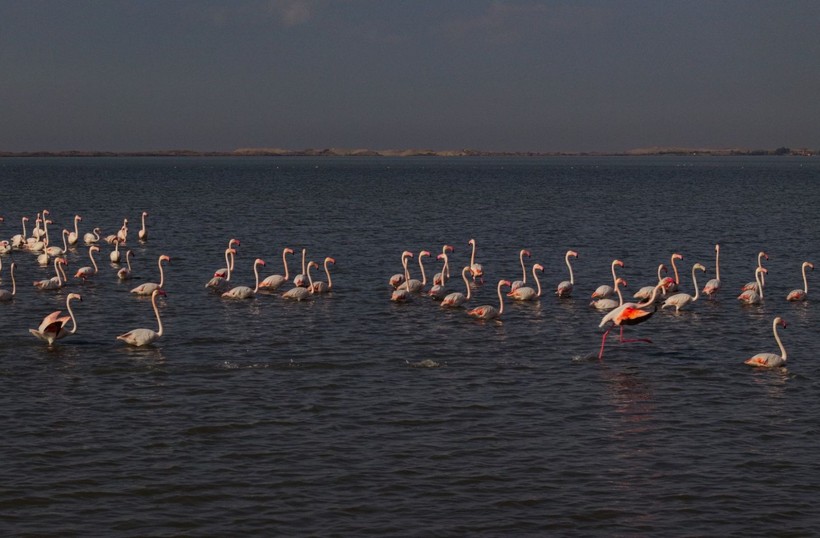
<point x="337" y="152"/>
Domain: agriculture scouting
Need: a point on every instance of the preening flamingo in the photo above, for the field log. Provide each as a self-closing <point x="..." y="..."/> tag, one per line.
<point x="645" y="292"/>
<point x="629" y="314"/>
<point x="565" y="288"/>
<point x="402" y="294"/>
<point x="679" y="300"/>
<point x="713" y="286"/>
<point x="244" y="292"/>
<point x="414" y="285"/>
<point x="299" y="293"/>
<point x="762" y="282"/>
<point x="400" y="278"/>
<point x="607" y="303"/>
<point x="526" y="293"/>
<point x="440" y="278"/>
<point x="605" y="290"/>
<point x="114" y="255"/>
<point x="438" y="290"/>
<point x="6" y="295"/>
<point x="143" y="337"/>
<point x="149" y="287"/>
<point x="752" y="296"/>
<point x="456" y="299"/>
<point x="275" y="281"/>
<point x="801" y="295"/>
<point x="224" y="271"/>
<point x="55" y="282"/>
<point x="74" y="236"/>
<point x="770" y="360"/>
<point x="486" y="312"/>
<point x="301" y="280"/>
<point x="91" y="238"/>
<point x="86" y="272"/>
<point x="143" y="233"/>
<point x="324" y="287"/>
<point x="53" y="326"/>
<point x="476" y="269"/>
<point x="125" y="272"/>
<point x="518" y="283"/>
<point x="222" y="284"/>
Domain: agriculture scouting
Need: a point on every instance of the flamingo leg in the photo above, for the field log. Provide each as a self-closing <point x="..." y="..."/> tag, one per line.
<point x="603" y="342"/>
<point x="626" y="340"/>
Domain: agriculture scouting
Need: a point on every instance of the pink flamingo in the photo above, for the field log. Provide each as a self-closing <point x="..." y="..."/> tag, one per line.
<point x="402" y="294"/>
<point x="762" y="282"/>
<point x="526" y="293"/>
<point x="142" y="235"/>
<point x="275" y="281"/>
<point x="6" y="295"/>
<point x="646" y="291"/>
<point x="565" y="288"/>
<point x="87" y="272"/>
<point x="143" y="337"/>
<point x="413" y="285"/>
<point x="400" y="278"/>
<point x="322" y="287"/>
<point x="439" y="278"/>
<point x="55" y="282"/>
<point x="19" y="241"/>
<point x="223" y="272"/>
<point x="476" y="269"/>
<point x="114" y="255"/>
<point x="629" y="314"/>
<point x="301" y="280"/>
<point x="125" y="272"/>
<point x="221" y="284"/>
<point x="604" y="291"/>
<point x="673" y="287"/>
<point x="438" y="290"/>
<point x="301" y="293"/>
<point x="713" y="286"/>
<point x="92" y="237"/>
<point x="608" y="303"/>
<point x="752" y="296"/>
<point x="801" y="295"/>
<point x="244" y="292"/>
<point x="456" y="299"/>
<point x="74" y="236"/>
<point x="54" y="327"/>
<point x="486" y="312"/>
<point x="679" y="300"/>
<point x="518" y="283"/>
<point x="770" y="360"/>
<point x="149" y="287"/>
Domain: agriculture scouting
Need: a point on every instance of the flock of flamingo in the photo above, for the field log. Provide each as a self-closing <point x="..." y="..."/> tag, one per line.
<point x="55" y="326"/>
<point x="618" y="312"/>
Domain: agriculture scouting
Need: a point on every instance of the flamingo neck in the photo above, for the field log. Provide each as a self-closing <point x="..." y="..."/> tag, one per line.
<point x="652" y="297"/>
<point x="93" y="261"/>
<point x="143" y="223"/>
<point x="24" y="229"/>
<point x="304" y="254"/>
<point x="57" y="270"/>
<point x="500" y="300"/>
<point x="805" y="281"/>
<point x="162" y="273"/>
<point x="660" y="277"/>
<point x="406" y="270"/>
<point x="13" y="282"/>
<point x="423" y="274"/>
<point x="614" y="278"/>
<point x="472" y="255"/>
<point x="228" y="263"/>
<point x="156" y="312"/>
<point x="675" y="269"/>
<point x="310" y="280"/>
<point x="759" y="280"/>
<point x="523" y="268"/>
<point x="779" y="343"/>
<point x="76" y="229"/>
<point x="71" y="313"/>
<point x="569" y="266"/>
<point x="65" y="245"/>
<point x="538" y="282"/>
<point x="327" y="272"/>
<point x="128" y="260"/>
<point x="695" y="283"/>
<point x="717" y="263"/>
<point x="285" y="263"/>
<point x="466" y="282"/>
<point x="445" y="269"/>
<point x="620" y="295"/>
<point x="256" y="275"/>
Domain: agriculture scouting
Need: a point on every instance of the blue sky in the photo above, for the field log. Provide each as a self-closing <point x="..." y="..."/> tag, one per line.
<point x="446" y="74"/>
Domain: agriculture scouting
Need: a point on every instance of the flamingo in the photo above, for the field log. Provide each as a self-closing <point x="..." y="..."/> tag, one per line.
<point x="526" y="293"/>
<point x="321" y="287"/>
<point x="401" y="294"/>
<point x="55" y="282"/>
<point x="646" y="291"/>
<point x="413" y="285"/>
<point x="244" y="292"/>
<point x="486" y="312"/>
<point x="37" y="232"/>
<point x="679" y="300"/>
<point x="456" y="299"/>
<point x="299" y="293"/>
<point x="400" y="278"/>
<point x="35" y="242"/>
<point x="300" y="280"/>
<point x="801" y="295"/>
<point x="19" y="241"/>
<point x="604" y="291"/>
<point x="753" y="285"/>
<point x="122" y="234"/>
<point x="608" y="303"/>
<point x="518" y="283"/>
<point x="114" y="255"/>
<point x="438" y="290"/>
<point x="439" y="278"/>
<point x="143" y="337"/>
<point x="143" y="233"/>
<point x="125" y="272"/>
<point x="74" y="236"/>
<point x="475" y="268"/>
<point x="565" y="288"/>
<point x="752" y="296"/>
<point x="275" y="281"/>
<point x="55" y="250"/>
<point x="224" y="271"/>
<point x="86" y="272"/>
<point x="149" y="287"/>
<point x="53" y="326"/>
<point x="5" y="247"/>
<point x="713" y="286"/>
<point x="92" y="237"/>
<point x="629" y="314"/>
<point x="770" y="360"/>
<point x="222" y="284"/>
<point x="6" y="295"/>
<point x="674" y="286"/>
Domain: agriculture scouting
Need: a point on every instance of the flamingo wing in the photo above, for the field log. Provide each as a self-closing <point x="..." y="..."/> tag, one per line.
<point x="632" y="315"/>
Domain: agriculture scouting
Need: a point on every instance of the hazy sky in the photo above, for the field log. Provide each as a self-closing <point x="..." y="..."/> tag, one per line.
<point x="443" y="74"/>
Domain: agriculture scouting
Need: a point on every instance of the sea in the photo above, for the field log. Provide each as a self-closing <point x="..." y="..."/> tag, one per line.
<point x="348" y="414"/>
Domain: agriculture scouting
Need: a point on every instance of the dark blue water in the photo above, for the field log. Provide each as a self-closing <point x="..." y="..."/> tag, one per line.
<point x="351" y="415"/>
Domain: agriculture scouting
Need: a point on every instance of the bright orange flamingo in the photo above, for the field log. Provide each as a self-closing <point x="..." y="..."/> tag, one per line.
<point x="629" y="314"/>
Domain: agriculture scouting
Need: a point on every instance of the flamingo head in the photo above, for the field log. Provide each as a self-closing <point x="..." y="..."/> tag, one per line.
<point x="762" y="270"/>
<point x="62" y="261"/>
<point x="809" y="265"/>
<point x="159" y="291"/>
<point x="471" y="242"/>
<point x="677" y="256"/>
<point x="666" y="282"/>
<point x="505" y="283"/>
<point x="538" y="267"/>
<point x="619" y="263"/>
<point x="700" y="266"/>
<point x="780" y="321"/>
<point x="2" y="219"/>
<point x="259" y="261"/>
<point x="330" y="260"/>
<point x="763" y="254"/>
<point x="572" y="253"/>
<point x="72" y="296"/>
<point x="424" y="253"/>
<point x="78" y="218"/>
<point x="406" y="254"/>
<point x="46" y="212"/>
<point x="234" y="242"/>
<point x="448" y="248"/>
<point x="621" y="281"/>
<point x="25" y="219"/>
<point x="145" y="213"/>
<point x="312" y="263"/>
<point x="441" y="256"/>
<point x="93" y="248"/>
<point x="288" y="251"/>
<point x="527" y="253"/>
<point x="165" y="258"/>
